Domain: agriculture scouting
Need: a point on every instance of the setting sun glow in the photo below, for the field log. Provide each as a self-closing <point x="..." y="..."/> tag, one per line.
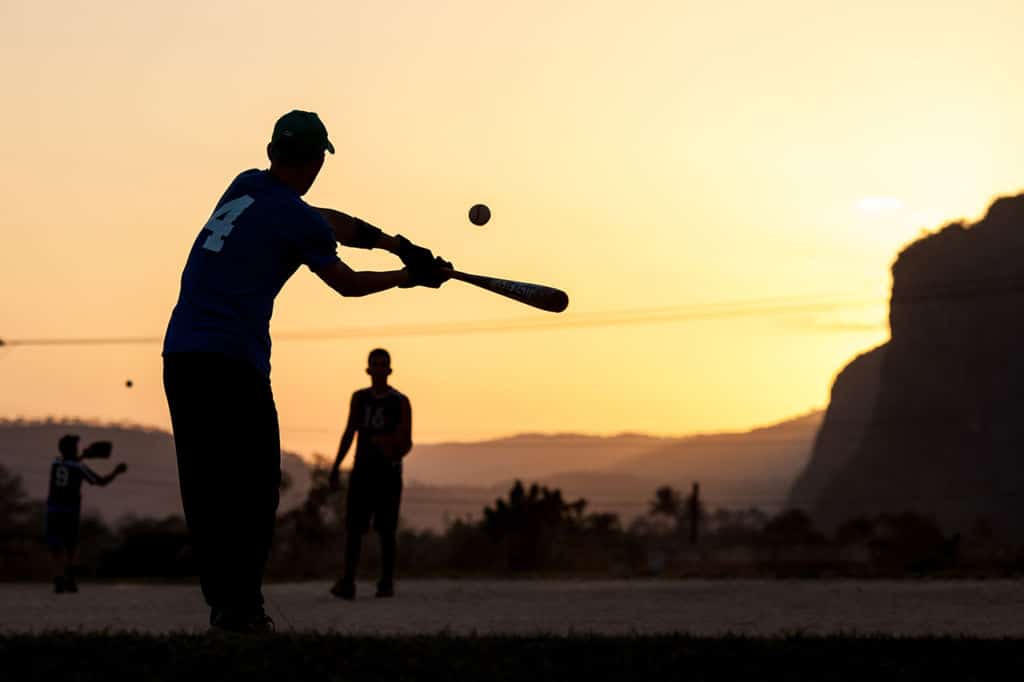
<point x="641" y="156"/>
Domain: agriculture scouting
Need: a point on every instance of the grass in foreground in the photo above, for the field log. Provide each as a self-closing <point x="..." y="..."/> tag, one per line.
<point x="69" y="656"/>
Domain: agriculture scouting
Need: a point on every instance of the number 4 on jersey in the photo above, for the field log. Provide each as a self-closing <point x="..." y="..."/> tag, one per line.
<point x="223" y="220"/>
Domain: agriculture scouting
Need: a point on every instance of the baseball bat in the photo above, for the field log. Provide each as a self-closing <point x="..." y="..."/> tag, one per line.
<point x="536" y="295"/>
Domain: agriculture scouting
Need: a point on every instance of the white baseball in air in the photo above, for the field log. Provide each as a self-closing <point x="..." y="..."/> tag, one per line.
<point x="479" y="214"/>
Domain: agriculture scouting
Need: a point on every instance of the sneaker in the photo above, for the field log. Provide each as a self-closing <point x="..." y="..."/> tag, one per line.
<point x="385" y="590"/>
<point x="344" y="589"/>
<point x="242" y="623"/>
<point x="58" y="584"/>
<point x="70" y="585"/>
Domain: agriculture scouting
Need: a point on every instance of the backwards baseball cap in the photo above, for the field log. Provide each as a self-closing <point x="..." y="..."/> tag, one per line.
<point x="301" y="130"/>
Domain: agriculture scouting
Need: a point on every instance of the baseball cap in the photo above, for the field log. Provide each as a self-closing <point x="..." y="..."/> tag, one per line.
<point x="301" y="130"/>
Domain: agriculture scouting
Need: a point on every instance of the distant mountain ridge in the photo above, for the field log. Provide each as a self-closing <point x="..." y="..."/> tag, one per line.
<point x="526" y="455"/>
<point x="737" y="469"/>
<point x="446" y="481"/>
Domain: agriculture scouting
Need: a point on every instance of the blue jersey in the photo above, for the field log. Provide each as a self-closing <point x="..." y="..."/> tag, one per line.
<point x="66" y="476"/>
<point x="259" y="234"/>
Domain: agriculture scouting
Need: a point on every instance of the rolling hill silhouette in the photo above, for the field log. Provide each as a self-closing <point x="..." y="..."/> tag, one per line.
<point x="620" y="473"/>
<point x="455" y="480"/>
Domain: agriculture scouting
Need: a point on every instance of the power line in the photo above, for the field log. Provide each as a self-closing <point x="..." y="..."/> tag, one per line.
<point x="81" y="341"/>
<point x="612" y="318"/>
<point x="962" y="288"/>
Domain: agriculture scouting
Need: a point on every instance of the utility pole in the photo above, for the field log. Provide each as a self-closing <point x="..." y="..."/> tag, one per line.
<point x="694" y="512"/>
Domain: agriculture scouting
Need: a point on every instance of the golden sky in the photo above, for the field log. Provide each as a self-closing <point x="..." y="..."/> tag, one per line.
<point x="637" y="154"/>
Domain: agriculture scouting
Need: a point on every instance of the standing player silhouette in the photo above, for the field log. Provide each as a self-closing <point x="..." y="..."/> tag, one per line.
<point x="64" y="508"/>
<point x="217" y="354"/>
<point x="383" y="419"/>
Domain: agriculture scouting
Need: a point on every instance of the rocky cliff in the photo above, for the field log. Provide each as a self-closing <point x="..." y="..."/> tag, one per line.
<point x="851" y="406"/>
<point x="945" y="433"/>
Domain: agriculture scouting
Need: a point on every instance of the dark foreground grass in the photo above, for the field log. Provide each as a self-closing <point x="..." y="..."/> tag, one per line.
<point x="71" y="657"/>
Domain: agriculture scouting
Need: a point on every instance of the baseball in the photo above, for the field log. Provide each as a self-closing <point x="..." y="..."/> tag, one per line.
<point x="479" y="214"/>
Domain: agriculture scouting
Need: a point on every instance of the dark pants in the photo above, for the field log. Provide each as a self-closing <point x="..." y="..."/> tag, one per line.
<point x="374" y="492"/>
<point x="229" y="469"/>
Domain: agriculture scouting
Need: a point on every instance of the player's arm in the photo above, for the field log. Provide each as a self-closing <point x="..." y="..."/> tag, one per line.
<point x="357" y="233"/>
<point x="351" y="231"/>
<point x="404" y="444"/>
<point x="95" y="479"/>
<point x="349" y="282"/>
<point x="351" y="426"/>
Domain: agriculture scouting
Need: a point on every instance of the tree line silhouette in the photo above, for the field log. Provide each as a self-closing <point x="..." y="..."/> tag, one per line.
<point x="532" y="531"/>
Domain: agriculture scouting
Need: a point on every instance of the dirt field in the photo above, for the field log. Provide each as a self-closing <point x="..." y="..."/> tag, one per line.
<point x="981" y="609"/>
